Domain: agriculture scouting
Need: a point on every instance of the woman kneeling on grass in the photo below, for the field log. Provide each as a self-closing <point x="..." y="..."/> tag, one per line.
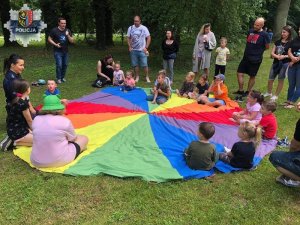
<point x="55" y="143"/>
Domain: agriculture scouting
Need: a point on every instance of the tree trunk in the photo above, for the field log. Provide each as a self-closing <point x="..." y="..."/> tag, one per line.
<point x="5" y="16"/>
<point x="99" y="7"/>
<point x="48" y="8"/>
<point x="108" y="26"/>
<point x="280" y="17"/>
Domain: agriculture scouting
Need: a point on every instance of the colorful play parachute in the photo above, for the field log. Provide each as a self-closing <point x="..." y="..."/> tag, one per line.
<point x="130" y="137"/>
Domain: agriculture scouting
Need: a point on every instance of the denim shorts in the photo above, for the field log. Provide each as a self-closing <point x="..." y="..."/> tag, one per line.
<point x="282" y="72"/>
<point x="216" y="100"/>
<point x="138" y="58"/>
<point x="287" y="160"/>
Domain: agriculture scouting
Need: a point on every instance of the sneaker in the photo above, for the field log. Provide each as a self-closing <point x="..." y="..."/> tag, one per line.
<point x="289" y="106"/>
<point x="246" y="93"/>
<point x="148" y="80"/>
<point x="5" y="143"/>
<point x="64" y="80"/>
<point x="274" y="98"/>
<point x="239" y="98"/>
<point x="287" y="181"/>
<point x="267" y="94"/>
<point x="59" y="81"/>
<point x="238" y="92"/>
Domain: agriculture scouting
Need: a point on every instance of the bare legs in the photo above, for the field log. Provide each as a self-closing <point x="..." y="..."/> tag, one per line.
<point x="137" y="73"/>
<point x="251" y="82"/>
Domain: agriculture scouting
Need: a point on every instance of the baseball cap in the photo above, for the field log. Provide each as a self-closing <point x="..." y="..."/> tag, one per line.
<point x="220" y="76"/>
<point x="52" y="102"/>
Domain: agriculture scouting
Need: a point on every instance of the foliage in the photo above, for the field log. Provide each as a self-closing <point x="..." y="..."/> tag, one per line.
<point x="29" y="196"/>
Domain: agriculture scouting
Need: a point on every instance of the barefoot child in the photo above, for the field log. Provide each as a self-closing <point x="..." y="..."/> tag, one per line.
<point x="118" y="78"/>
<point x="161" y="91"/>
<point x="252" y="111"/>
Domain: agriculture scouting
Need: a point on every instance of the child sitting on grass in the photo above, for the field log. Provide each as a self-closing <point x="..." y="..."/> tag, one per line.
<point x="252" y="111"/>
<point x="161" y="91"/>
<point x="201" y="155"/>
<point x="19" y="120"/>
<point x="187" y="86"/>
<point x="242" y="152"/>
<point x="118" y="78"/>
<point x="129" y="82"/>
<point x="268" y="121"/>
<point x="201" y="88"/>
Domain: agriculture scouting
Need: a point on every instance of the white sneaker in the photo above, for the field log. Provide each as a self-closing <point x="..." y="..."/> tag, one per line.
<point x="274" y="98"/>
<point x="59" y="81"/>
<point x="267" y="94"/>
<point x="287" y="181"/>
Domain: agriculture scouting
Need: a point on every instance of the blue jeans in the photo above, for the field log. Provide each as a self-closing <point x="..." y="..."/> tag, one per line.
<point x="294" y="82"/>
<point x="287" y="160"/>
<point x="61" y="60"/>
<point x="169" y="64"/>
<point x="159" y="100"/>
<point x="126" y="88"/>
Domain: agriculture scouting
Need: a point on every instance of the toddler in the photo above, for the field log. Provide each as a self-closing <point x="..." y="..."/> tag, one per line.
<point x="242" y="152"/>
<point x="161" y="91"/>
<point x="52" y="88"/>
<point x="118" y="78"/>
<point x="201" y="155"/>
<point x="187" y="86"/>
<point x="268" y="121"/>
<point x="252" y="111"/>
<point x="129" y="82"/>
<point x="222" y="57"/>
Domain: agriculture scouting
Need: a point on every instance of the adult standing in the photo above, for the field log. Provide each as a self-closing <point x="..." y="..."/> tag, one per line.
<point x="170" y="48"/>
<point x="105" y="71"/>
<point x="294" y="72"/>
<point x="257" y="42"/>
<point x="280" y="63"/>
<point x="288" y="163"/>
<point x="139" y="39"/>
<point x="204" y="44"/>
<point x="60" y="37"/>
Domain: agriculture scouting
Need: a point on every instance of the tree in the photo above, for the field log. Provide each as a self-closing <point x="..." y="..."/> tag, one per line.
<point x="281" y="17"/>
<point x="5" y="16"/>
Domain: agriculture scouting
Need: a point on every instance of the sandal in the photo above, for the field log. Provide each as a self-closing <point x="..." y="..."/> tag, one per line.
<point x="290" y="106"/>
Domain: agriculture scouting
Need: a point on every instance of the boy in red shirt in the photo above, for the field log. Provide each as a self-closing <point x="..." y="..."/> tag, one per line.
<point x="268" y="121"/>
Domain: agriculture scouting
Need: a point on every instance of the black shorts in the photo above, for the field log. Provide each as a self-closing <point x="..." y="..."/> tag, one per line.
<point x="248" y="67"/>
<point x="77" y="147"/>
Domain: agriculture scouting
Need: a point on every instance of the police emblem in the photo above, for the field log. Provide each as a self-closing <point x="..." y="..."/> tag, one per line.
<point x="25" y="25"/>
<point x="25" y="18"/>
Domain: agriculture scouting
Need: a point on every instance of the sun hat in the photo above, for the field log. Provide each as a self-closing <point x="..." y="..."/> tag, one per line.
<point x="52" y="102"/>
<point x="220" y="76"/>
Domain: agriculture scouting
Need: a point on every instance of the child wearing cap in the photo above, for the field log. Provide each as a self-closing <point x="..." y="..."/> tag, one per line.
<point x="55" y="142"/>
<point x="220" y="92"/>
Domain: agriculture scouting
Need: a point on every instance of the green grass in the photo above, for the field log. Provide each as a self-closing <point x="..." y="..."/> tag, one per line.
<point x="32" y="197"/>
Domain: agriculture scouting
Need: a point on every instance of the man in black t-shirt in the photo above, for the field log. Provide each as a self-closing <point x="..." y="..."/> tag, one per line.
<point x="257" y="42"/>
<point x="60" y="37"/>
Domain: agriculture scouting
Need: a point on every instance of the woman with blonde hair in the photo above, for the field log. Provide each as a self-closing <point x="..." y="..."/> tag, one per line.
<point x="204" y="44"/>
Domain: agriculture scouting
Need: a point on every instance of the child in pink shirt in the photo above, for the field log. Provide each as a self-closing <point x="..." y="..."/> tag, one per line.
<point x="55" y="142"/>
<point x="252" y="112"/>
<point x="129" y="82"/>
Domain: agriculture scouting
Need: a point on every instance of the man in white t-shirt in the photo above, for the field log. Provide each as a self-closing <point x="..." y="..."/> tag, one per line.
<point x="139" y="39"/>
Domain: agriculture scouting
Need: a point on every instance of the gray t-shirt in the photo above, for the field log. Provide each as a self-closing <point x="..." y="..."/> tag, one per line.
<point x="137" y="37"/>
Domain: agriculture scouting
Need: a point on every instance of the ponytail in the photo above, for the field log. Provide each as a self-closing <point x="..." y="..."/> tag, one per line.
<point x="12" y="59"/>
<point x="257" y="137"/>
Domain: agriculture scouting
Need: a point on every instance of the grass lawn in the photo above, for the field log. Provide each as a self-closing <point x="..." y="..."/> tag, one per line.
<point x="32" y="197"/>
